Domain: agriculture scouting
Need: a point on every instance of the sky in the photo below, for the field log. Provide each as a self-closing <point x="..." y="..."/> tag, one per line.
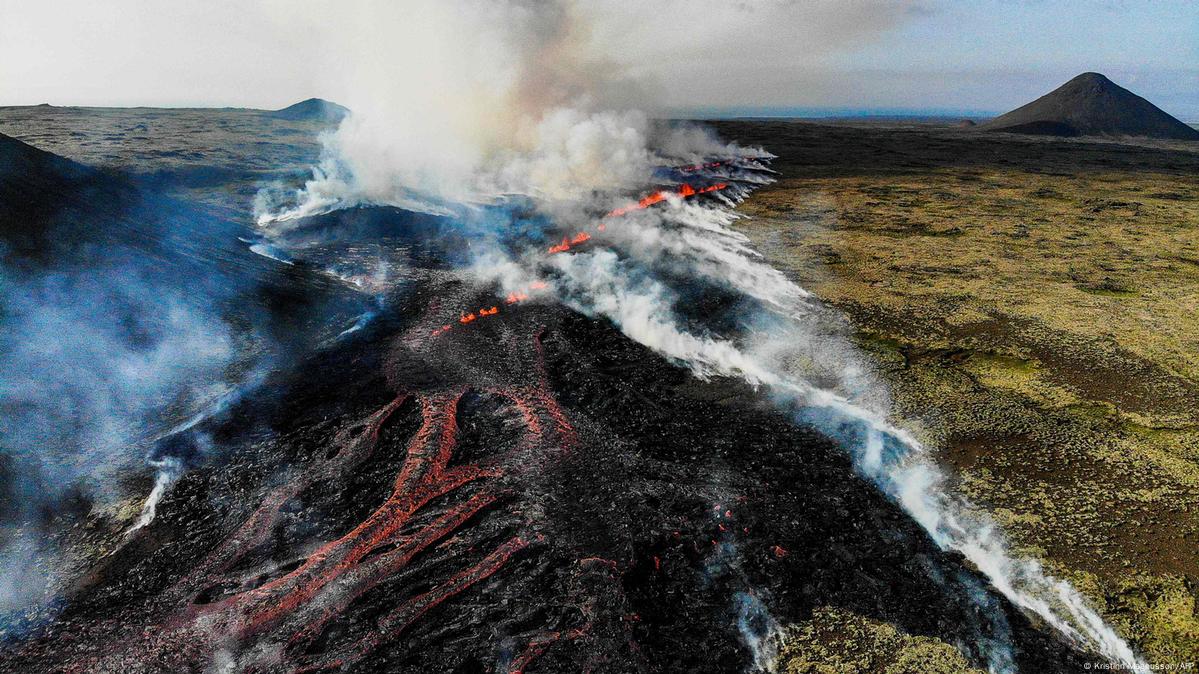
<point x="969" y="55"/>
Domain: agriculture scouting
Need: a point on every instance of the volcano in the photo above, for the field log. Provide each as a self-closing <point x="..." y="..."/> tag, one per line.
<point x="311" y="110"/>
<point x="477" y="476"/>
<point x="1091" y="105"/>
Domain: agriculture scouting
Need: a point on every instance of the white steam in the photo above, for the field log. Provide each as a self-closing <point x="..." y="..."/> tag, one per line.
<point x="699" y="241"/>
<point x="759" y="630"/>
<point x="601" y="283"/>
<point x="97" y="360"/>
<point x="169" y="469"/>
<point x="459" y="102"/>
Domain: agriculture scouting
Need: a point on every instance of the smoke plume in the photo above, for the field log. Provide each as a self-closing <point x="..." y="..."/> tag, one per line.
<point x="98" y="361"/>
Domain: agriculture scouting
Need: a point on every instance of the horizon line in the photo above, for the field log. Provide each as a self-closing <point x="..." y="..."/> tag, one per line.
<point x="701" y="113"/>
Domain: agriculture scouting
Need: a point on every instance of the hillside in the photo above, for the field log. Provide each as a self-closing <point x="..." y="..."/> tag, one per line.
<point x="1092" y="105"/>
<point x="312" y="109"/>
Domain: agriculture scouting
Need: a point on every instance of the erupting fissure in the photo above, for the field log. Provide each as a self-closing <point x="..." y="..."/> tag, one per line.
<point x="418" y="538"/>
<point x="570" y="242"/>
<point x="686" y="190"/>
<point x="515" y="297"/>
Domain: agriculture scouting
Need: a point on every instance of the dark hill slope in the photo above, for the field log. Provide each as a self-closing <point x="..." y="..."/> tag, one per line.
<point x="1092" y="105"/>
<point x="38" y="188"/>
<point x="55" y="211"/>
<point x="313" y="109"/>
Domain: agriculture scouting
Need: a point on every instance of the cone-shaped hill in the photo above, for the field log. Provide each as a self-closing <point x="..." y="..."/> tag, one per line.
<point x="1092" y="105"/>
<point x="312" y="109"/>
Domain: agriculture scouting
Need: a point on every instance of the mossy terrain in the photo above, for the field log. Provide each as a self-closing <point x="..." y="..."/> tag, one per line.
<point x="1032" y="305"/>
<point x="835" y="641"/>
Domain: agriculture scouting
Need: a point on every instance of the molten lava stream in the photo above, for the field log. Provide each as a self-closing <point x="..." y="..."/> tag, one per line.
<point x="423" y="477"/>
<point x="297" y="607"/>
<point x="367" y="575"/>
<point x="351" y="452"/>
<point x="684" y="191"/>
<point x="536" y="647"/>
<point x="537" y="408"/>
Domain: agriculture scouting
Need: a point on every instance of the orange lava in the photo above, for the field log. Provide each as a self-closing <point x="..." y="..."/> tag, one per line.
<point x="685" y="190"/>
<point x="699" y="167"/>
<point x="514" y="297"/>
<point x="569" y="242"/>
<point x="425" y="508"/>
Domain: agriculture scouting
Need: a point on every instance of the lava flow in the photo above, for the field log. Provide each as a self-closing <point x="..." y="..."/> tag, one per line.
<point x="568" y="242"/>
<point x="571" y="242"/>
<point x="233" y="597"/>
<point x="508" y="491"/>
<point x="684" y="191"/>
<point x="661" y="195"/>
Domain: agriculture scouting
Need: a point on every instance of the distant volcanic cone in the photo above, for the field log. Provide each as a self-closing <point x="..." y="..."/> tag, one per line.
<point x="1092" y="105"/>
<point x="312" y="109"/>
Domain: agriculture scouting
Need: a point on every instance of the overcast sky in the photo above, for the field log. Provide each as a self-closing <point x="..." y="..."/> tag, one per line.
<point x="964" y="54"/>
